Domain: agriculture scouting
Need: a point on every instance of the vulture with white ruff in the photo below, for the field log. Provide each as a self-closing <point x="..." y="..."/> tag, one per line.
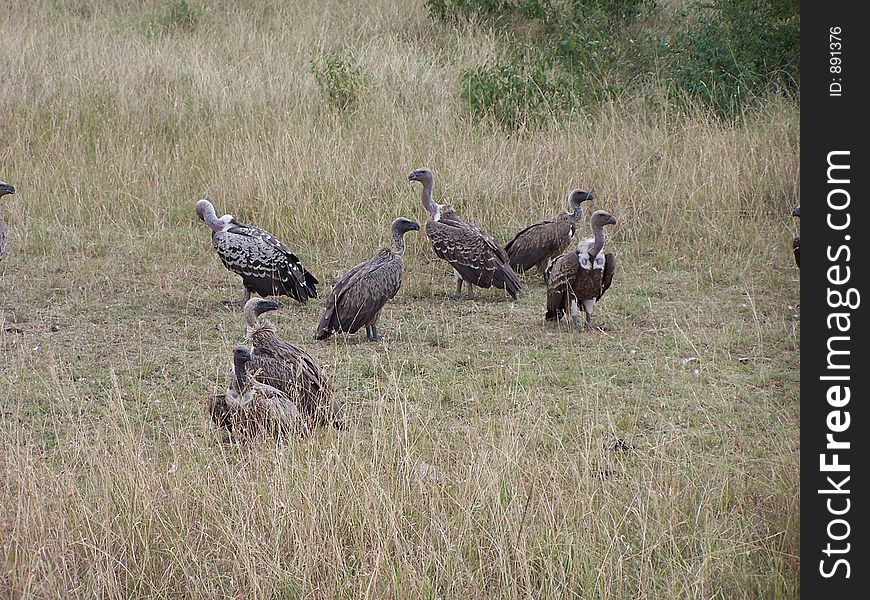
<point x="250" y="407"/>
<point x="796" y="245"/>
<point x="358" y="297"/>
<point x="265" y="264"/>
<point x="535" y="245"/>
<point x="289" y="368"/>
<point x="579" y="279"/>
<point x="476" y="258"/>
<point x="5" y="189"/>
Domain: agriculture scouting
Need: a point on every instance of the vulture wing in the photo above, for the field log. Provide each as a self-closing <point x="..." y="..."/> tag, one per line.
<point x="561" y="276"/>
<point x="607" y="278"/>
<point x="536" y="243"/>
<point x="474" y="254"/>
<point x="359" y="296"/>
<point x="266" y="265"/>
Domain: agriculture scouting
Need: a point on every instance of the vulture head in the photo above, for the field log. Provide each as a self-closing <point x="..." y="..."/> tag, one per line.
<point x="797" y="211"/>
<point x="578" y="196"/>
<point x="6" y="188"/>
<point x="423" y="175"/>
<point x="600" y="218"/>
<point x="205" y="211"/>
<point x="256" y="307"/>
<point x="241" y="357"/>
<point x="402" y="225"/>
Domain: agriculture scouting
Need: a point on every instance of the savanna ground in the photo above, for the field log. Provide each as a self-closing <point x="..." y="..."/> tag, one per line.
<point x="489" y="454"/>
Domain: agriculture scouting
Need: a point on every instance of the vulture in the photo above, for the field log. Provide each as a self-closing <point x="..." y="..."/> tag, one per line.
<point x="265" y="264"/>
<point x="535" y="245"/>
<point x="579" y="279"/>
<point x="476" y="258"/>
<point x="289" y="368"/>
<point x="249" y="407"/>
<point x="796" y="245"/>
<point x="359" y="296"/>
<point x="5" y="188"/>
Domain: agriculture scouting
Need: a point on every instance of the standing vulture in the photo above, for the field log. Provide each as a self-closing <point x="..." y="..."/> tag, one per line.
<point x="357" y="299"/>
<point x="537" y="244"/>
<point x="265" y="264"/>
<point x="289" y="368"/>
<point x="249" y="407"/>
<point x="581" y="277"/>
<point x="476" y="258"/>
<point x="796" y="245"/>
<point x="5" y="188"/>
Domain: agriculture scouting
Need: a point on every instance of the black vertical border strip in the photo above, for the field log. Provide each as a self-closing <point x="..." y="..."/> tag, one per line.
<point x="830" y="123"/>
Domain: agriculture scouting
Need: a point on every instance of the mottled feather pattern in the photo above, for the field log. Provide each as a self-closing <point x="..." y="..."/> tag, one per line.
<point x="358" y="297"/>
<point x="265" y="264"/>
<point x="537" y="243"/>
<point x="475" y="255"/>
<point x="568" y="280"/>
<point x="293" y="371"/>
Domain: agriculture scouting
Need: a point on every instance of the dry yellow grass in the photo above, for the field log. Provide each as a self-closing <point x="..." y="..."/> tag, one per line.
<point x="484" y="457"/>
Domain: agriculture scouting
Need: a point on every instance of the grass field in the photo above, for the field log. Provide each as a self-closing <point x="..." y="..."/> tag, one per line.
<point x="489" y="454"/>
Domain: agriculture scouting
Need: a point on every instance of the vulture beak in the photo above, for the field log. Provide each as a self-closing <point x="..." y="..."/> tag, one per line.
<point x="414" y="226"/>
<point x="6" y="188"/>
<point x="612" y="220"/>
<point x="796" y="212"/>
<point x="411" y="176"/>
<point x="266" y="306"/>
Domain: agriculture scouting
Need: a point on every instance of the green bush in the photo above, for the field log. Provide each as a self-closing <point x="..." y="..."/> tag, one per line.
<point x="514" y="95"/>
<point x="556" y="56"/>
<point x="562" y="55"/>
<point x="340" y="81"/>
<point x="736" y="50"/>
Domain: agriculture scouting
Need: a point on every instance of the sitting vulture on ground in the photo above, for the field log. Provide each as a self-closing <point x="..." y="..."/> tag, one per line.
<point x="357" y="299"/>
<point x="250" y="407"/>
<point x="796" y="245"/>
<point x="535" y="245"/>
<point x="289" y="368"/>
<point x="5" y="188"/>
<point x="476" y="258"/>
<point x="265" y="264"/>
<point x="580" y="278"/>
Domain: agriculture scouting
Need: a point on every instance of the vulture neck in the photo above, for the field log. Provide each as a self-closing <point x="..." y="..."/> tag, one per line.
<point x="426" y="198"/>
<point x="399" y="242"/>
<point x="240" y="371"/>
<point x="597" y="242"/>
<point x="576" y="212"/>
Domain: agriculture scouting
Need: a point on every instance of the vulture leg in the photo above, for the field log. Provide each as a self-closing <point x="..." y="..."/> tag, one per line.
<point x="575" y="312"/>
<point x="588" y="307"/>
<point x="542" y="269"/>
<point x="372" y="333"/>
<point x="372" y="330"/>
<point x="458" y="279"/>
<point x="470" y="290"/>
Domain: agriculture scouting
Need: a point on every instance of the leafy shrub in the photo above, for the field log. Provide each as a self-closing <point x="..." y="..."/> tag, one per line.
<point x="734" y="50"/>
<point x="340" y="81"/>
<point x="556" y="56"/>
<point x="514" y="95"/>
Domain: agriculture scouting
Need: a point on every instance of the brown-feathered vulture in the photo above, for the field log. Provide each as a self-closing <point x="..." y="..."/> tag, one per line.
<point x="250" y="407"/>
<point x="358" y="297"/>
<point x="579" y="279"/>
<point x="476" y="258"/>
<point x="796" y="245"/>
<point x="289" y="368"/>
<point x="265" y="264"/>
<point x="535" y="245"/>
<point x="5" y="189"/>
